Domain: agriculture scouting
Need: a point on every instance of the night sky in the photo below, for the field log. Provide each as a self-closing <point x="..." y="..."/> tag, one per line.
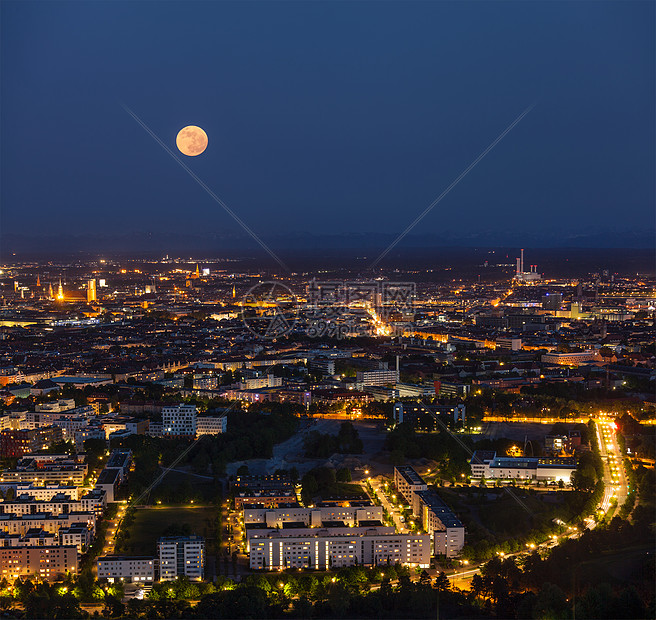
<point x="328" y="117"/>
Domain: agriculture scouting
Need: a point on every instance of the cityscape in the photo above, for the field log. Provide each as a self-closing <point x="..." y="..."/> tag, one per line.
<point x="207" y="411"/>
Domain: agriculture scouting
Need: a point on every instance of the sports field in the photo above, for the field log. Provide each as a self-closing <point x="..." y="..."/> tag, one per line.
<point x="151" y="523"/>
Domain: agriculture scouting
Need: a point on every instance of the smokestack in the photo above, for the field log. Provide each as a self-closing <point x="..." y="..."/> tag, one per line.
<point x="518" y="265"/>
<point x="521" y="262"/>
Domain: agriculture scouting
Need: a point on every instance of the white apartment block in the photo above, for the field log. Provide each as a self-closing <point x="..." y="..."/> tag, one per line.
<point x="312" y="517"/>
<point x="179" y="420"/>
<point x="366" y="378"/>
<point x="211" y="425"/>
<point x="77" y="535"/>
<point x="14" y="524"/>
<point x="25" y="505"/>
<point x="46" y="493"/>
<point x="438" y="519"/>
<point x="408" y="482"/>
<point x="324" y="549"/>
<point x="136" y="569"/>
<point x="571" y="359"/>
<point x="181" y="556"/>
<point x="257" y="383"/>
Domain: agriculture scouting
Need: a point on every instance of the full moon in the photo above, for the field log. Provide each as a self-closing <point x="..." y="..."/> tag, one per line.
<point x="191" y="140"/>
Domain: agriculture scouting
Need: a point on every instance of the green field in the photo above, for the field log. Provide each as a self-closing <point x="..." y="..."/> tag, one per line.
<point x="151" y="523"/>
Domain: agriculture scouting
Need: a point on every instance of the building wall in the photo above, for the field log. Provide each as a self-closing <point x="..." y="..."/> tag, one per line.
<point x="179" y="420"/>
<point x="48" y="563"/>
<point x="181" y="557"/>
<point x="128" y="569"/>
<point x="326" y="552"/>
<point x="211" y="426"/>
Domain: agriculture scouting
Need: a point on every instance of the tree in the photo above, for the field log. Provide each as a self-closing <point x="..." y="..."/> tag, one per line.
<point x="551" y="603"/>
<point x="442" y="582"/>
<point x="343" y="475"/>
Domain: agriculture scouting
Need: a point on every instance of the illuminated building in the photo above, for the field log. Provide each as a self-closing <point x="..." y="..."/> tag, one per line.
<point x="526" y="276"/>
<point x="438" y="519"/>
<point x="137" y="569"/>
<point x="179" y="420"/>
<point x="91" y="291"/>
<point x="15" y="443"/>
<point x="48" y="563"/>
<point x="181" y="556"/>
<point x="211" y="425"/>
<point x="335" y="547"/>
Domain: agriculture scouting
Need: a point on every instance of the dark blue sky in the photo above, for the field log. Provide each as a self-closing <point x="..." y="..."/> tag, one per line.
<point x="328" y="117"/>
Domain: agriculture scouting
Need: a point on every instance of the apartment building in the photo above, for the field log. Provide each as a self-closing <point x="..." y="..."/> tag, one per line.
<point x="439" y="520"/>
<point x="19" y="443"/>
<point x="408" y="482"/>
<point x="15" y="524"/>
<point x="129" y="569"/>
<point x="48" y="562"/>
<point x="351" y="515"/>
<point x="207" y="425"/>
<point x="181" y="556"/>
<point x="179" y="420"/>
<point x="336" y="547"/>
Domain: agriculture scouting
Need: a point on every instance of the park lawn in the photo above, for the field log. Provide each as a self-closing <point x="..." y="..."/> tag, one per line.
<point x="150" y="523"/>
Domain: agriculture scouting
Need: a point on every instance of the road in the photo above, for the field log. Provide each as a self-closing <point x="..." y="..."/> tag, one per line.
<point x="387" y="504"/>
<point x="112" y="529"/>
<point x="615" y="482"/>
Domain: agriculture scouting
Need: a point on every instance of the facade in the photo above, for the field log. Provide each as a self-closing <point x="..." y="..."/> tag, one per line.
<point x="509" y="344"/>
<point x="181" y="556"/>
<point x="550" y="469"/>
<point x="408" y="482"/>
<point x="571" y="359"/>
<point x="120" y="461"/>
<point x="15" y="524"/>
<point x="65" y="474"/>
<point x="77" y="535"/>
<point x="49" y="563"/>
<point x="271" y="498"/>
<point x="109" y="481"/>
<point x="323" y="549"/>
<point x="133" y="569"/>
<point x="311" y="517"/>
<point x="211" y="425"/>
<point x="179" y="420"/>
<point x="423" y="419"/>
<point x="26" y="505"/>
<point x="438" y="519"/>
<point x="46" y="493"/>
<point x="19" y="443"/>
<point x="366" y="378"/>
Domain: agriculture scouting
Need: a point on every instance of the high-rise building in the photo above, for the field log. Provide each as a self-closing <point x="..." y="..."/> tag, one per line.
<point x="179" y="420"/>
<point x="181" y="556"/>
<point x="91" y="290"/>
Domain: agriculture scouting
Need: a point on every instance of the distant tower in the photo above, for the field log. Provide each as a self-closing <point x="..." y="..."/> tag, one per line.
<point x="91" y="290"/>
<point x="60" y="291"/>
<point x="196" y="274"/>
<point x="234" y="291"/>
<point x="51" y="293"/>
<point x="38" y="281"/>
